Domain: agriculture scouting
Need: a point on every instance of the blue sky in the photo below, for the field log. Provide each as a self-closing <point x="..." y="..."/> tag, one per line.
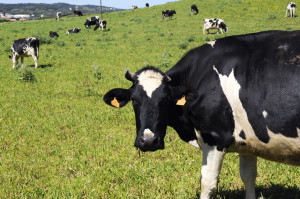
<point x="125" y="4"/>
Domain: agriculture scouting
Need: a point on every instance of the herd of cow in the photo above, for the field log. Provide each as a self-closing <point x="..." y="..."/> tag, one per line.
<point x="236" y="94"/>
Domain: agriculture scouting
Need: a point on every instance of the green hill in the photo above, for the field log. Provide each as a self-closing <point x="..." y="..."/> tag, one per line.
<point x="59" y="140"/>
<point x="50" y="10"/>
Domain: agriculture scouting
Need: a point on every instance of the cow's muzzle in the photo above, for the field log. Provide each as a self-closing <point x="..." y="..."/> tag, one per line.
<point x="149" y="142"/>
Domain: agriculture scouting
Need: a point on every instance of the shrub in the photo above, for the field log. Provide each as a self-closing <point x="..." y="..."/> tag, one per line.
<point x="27" y="74"/>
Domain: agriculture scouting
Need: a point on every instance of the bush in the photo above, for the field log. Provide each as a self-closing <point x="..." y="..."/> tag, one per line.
<point x="27" y="74"/>
<point x="182" y="45"/>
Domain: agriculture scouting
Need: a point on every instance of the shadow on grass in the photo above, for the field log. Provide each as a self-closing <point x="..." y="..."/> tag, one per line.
<point x="41" y="66"/>
<point x="272" y="192"/>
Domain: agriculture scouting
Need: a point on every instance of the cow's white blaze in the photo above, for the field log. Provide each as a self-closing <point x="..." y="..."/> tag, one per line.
<point x="212" y="43"/>
<point x="150" y="80"/>
<point x="279" y="148"/>
<point x="148" y="133"/>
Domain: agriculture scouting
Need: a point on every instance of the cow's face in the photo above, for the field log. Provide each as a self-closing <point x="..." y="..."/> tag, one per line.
<point x="151" y="96"/>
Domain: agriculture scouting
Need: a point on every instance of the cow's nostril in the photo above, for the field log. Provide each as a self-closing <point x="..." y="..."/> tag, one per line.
<point x="155" y="141"/>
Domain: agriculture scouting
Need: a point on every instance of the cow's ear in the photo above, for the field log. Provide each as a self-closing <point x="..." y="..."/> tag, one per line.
<point x="117" y="97"/>
<point x="183" y="94"/>
<point x="130" y="76"/>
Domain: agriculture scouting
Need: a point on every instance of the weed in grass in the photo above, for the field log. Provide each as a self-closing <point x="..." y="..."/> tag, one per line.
<point x="162" y="34"/>
<point x="165" y="61"/>
<point x="207" y="38"/>
<point x="60" y="43"/>
<point x="146" y="64"/>
<point x="1" y="39"/>
<point x="129" y="31"/>
<point x="191" y="38"/>
<point x="97" y="72"/>
<point x="182" y="45"/>
<point x="271" y="16"/>
<point x="289" y="28"/>
<point x="80" y="43"/>
<point x="27" y="74"/>
<point x="14" y="31"/>
<point x="43" y="40"/>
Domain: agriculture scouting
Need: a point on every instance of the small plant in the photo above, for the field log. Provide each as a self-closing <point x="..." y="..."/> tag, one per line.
<point x="207" y="38"/>
<point x="191" y="38"/>
<point x="162" y="34"/>
<point x="60" y="43"/>
<point x="27" y="74"/>
<point x="44" y="40"/>
<point x="165" y="62"/>
<point x="97" y="72"/>
<point x="271" y="16"/>
<point x="182" y="45"/>
<point x="146" y="64"/>
<point x="80" y="43"/>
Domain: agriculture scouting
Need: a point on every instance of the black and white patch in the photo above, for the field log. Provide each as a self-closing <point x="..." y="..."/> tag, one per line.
<point x="214" y="23"/>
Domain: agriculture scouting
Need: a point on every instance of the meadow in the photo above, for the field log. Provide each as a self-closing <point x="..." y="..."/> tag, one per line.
<point x="59" y="140"/>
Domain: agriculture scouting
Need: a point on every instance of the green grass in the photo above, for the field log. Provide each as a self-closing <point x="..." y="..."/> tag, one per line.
<point x="59" y="140"/>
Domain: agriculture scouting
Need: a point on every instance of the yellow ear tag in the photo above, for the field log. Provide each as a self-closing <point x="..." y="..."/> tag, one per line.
<point x="115" y="103"/>
<point x="181" y="102"/>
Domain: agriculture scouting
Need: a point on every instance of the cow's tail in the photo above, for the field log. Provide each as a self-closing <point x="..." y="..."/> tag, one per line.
<point x="9" y="56"/>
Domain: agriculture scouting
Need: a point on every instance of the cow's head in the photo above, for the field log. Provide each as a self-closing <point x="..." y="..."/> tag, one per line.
<point x="154" y="100"/>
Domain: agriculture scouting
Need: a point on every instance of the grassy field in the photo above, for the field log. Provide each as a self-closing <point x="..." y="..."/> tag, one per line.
<point x="59" y="140"/>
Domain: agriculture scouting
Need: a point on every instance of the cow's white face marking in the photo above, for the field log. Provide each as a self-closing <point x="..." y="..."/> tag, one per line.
<point x="265" y="114"/>
<point x="150" y="80"/>
<point x="279" y="148"/>
<point x="148" y="133"/>
<point x="212" y="43"/>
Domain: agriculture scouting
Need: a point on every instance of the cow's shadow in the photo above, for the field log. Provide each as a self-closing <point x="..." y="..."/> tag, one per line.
<point x="274" y="191"/>
<point x="41" y="66"/>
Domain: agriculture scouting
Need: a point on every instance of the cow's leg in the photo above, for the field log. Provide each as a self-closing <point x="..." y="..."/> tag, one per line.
<point x="203" y="30"/>
<point x="286" y="13"/>
<point x="35" y="58"/>
<point x="15" y="61"/>
<point x="248" y="172"/>
<point x="211" y="167"/>
<point x="22" y="61"/>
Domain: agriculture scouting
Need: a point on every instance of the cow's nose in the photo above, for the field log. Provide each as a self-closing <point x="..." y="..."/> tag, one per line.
<point x="148" y="141"/>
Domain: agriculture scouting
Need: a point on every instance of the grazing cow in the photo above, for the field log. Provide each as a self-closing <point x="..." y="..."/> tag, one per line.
<point x="53" y="34"/>
<point x="24" y="48"/>
<point x="147" y="5"/>
<point x="214" y="24"/>
<point x="194" y="9"/>
<point x="91" y="21"/>
<point x="58" y="15"/>
<point x="134" y="7"/>
<point x="168" y="13"/>
<point x="77" y="13"/>
<point x="74" y="30"/>
<point x="235" y="94"/>
<point x="291" y="8"/>
<point x="101" y="24"/>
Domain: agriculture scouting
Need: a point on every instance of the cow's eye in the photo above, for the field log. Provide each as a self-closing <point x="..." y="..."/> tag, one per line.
<point x="135" y="102"/>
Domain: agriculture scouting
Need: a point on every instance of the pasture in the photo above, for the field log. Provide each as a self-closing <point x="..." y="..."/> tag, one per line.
<point x="59" y="140"/>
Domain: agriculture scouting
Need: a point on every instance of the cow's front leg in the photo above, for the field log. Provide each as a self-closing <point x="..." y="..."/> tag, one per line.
<point x="35" y="58"/>
<point x="15" y="61"/>
<point x="248" y="172"/>
<point x="211" y="166"/>
<point x="22" y="61"/>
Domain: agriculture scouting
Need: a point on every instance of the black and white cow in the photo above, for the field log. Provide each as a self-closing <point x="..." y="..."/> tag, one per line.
<point x="58" y="15"/>
<point x="291" y="8"/>
<point x="53" y="34"/>
<point x="91" y="21"/>
<point x="147" y="5"/>
<point x="134" y="7"/>
<point x="168" y="13"/>
<point x="74" y="30"/>
<point x="235" y="94"/>
<point x="101" y="25"/>
<point x="194" y="9"/>
<point x="77" y="13"/>
<point x="25" y="47"/>
<point x="214" y="23"/>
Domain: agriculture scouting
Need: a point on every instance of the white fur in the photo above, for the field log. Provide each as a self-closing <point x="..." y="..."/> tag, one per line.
<point x="150" y="80"/>
<point x="148" y="133"/>
<point x="194" y="143"/>
<point x="279" y="148"/>
<point x="212" y="43"/>
<point x="248" y="172"/>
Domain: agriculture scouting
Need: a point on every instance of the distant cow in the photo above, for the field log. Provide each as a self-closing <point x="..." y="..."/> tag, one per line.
<point x="214" y="24"/>
<point x="147" y="5"/>
<point x="134" y="7"/>
<point x="53" y="34"/>
<point x="101" y="24"/>
<point x="168" y="13"/>
<point x="291" y="8"/>
<point x="77" y="12"/>
<point x="194" y="9"/>
<point x="74" y="30"/>
<point x="24" y="48"/>
<point x="58" y="15"/>
<point x="91" y="21"/>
